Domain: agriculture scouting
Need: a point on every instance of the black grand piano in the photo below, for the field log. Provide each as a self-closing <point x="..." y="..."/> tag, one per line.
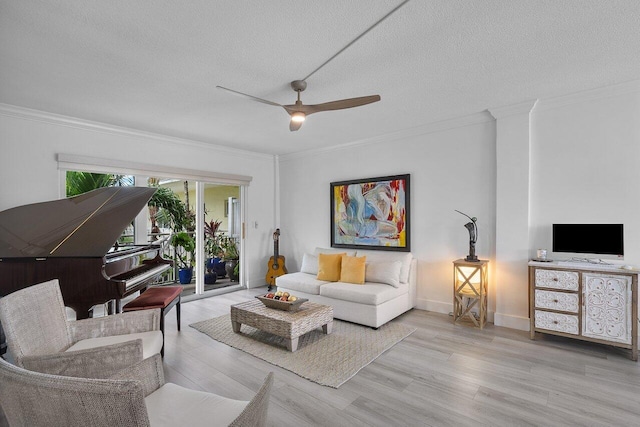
<point x="74" y="240"/>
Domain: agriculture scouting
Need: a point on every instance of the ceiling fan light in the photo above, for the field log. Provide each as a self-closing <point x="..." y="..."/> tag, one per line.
<point x="298" y="117"/>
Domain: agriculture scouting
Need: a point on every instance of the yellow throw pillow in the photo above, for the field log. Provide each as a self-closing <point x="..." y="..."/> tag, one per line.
<point x="329" y="266"/>
<point x="353" y="269"/>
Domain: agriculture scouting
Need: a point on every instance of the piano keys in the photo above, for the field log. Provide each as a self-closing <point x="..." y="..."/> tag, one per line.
<point x="133" y="267"/>
<point x="73" y="240"/>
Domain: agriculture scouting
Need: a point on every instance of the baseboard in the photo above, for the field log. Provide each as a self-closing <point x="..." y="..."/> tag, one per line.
<point x="435" y="306"/>
<point x="255" y="283"/>
<point x="447" y="308"/>
<point x="513" y="322"/>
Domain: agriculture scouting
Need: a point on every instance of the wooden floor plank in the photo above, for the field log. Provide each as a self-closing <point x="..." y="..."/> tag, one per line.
<point x="442" y="374"/>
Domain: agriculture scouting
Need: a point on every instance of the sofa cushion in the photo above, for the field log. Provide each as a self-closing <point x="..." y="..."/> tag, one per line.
<point x="369" y="293"/>
<point x="301" y="282"/>
<point x="309" y="264"/>
<point x="387" y="272"/>
<point x="385" y="256"/>
<point x="352" y="269"/>
<point x="329" y="266"/>
<point x="173" y="405"/>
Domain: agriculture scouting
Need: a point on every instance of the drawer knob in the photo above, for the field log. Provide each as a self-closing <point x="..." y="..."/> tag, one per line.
<point x="555" y="300"/>
<point x="555" y="322"/>
<point x="555" y="279"/>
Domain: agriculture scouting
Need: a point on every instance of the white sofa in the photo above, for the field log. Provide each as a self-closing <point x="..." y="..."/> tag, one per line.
<point x="389" y="289"/>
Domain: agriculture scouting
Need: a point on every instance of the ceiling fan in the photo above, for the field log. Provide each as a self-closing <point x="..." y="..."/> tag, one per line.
<point x="300" y="111"/>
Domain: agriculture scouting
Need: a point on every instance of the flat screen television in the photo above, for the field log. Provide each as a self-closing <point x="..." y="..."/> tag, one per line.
<point x="599" y="239"/>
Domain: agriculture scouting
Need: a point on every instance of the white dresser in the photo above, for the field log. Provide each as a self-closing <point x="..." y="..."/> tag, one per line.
<point x="587" y="302"/>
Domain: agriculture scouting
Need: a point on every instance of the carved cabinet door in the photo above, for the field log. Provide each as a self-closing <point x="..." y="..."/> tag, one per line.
<point x="607" y="307"/>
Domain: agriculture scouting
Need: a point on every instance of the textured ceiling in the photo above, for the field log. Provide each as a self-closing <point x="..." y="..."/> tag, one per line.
<point x="153" y="65"/>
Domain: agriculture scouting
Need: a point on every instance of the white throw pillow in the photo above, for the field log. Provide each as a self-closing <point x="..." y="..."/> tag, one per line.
<point x="309" y="264"/>
<point x="383" y="272"/>
<point x="386" y="256"/>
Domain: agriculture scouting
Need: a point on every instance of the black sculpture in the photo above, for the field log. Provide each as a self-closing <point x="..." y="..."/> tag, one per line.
<point x="473" y="237"/>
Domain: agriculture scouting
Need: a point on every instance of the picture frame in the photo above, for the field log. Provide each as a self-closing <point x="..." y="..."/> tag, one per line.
<point x="371" y="213"/>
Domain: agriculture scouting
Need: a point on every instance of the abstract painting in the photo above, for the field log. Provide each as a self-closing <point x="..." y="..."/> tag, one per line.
<point x="371" y="213"/>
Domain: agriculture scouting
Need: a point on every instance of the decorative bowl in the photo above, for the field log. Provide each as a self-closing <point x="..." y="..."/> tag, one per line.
<point x="281" y="305"/>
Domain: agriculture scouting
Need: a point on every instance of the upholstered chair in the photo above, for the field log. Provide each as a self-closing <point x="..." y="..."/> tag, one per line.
<point x="39" y="336"/>
<point x="136" y="396"/>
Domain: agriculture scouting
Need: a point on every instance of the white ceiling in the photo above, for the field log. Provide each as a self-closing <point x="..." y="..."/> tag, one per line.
<point x="153" y="65"/>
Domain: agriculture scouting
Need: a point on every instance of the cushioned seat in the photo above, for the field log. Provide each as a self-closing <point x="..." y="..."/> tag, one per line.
<point x="151" y="342"/>
<point x="368" y="293"/>
<point x="301" y="282"/>
<point x="156" y="297"/>
<point x="173" y="405"/>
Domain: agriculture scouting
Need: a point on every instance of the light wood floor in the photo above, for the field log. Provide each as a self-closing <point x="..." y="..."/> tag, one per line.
<point x="441" y="375"/>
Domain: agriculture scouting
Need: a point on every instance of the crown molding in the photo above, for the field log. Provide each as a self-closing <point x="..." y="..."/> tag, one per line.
<point x="512" y="110"/>
<point x="88" y="125"/>
<point x="434" y="127"/>
<point x="589" y="95"/>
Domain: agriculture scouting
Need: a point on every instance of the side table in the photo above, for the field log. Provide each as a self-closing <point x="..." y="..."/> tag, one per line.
<point x="470" y="290"/>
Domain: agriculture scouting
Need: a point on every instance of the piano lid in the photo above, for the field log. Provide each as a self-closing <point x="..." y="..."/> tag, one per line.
<point x="87" y="225"/>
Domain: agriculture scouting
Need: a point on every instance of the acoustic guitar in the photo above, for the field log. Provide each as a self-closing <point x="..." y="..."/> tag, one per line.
<point x="276" y="262"/>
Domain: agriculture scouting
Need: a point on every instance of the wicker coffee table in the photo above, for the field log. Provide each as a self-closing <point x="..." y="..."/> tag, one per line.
<point x="286" y="324"/>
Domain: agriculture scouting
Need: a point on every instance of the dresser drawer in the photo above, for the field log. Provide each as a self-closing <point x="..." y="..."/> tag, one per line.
<point x="556" y="279"/>
<point x="556" y="322"/>
<point x="561" y="301"/>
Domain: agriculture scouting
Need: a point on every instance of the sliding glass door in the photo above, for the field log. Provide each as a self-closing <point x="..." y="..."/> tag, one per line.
<point x="214" y="225"/>
<point x="222" y="240"/>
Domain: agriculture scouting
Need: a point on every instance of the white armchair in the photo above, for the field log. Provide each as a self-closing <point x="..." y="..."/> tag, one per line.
<point x="39" y="336"/>
<point x="136" y="396"/>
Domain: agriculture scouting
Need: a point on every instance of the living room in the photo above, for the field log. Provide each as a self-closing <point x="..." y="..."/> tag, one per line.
<point x="564" y="152"/>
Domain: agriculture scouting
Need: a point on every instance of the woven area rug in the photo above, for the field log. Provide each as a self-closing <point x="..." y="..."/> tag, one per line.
<point x="329" y="360"/>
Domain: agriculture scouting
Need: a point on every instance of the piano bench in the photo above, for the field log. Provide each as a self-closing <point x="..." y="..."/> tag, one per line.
<point x="162" y="297"/>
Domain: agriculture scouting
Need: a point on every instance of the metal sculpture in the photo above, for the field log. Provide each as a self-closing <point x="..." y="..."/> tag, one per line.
<point x="473" y="236"/>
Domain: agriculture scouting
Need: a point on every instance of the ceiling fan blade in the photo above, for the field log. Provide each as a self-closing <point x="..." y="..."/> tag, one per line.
<point x="333" y="105"/>
<point x="293" y="126"/>
<point x="255" y="98"/>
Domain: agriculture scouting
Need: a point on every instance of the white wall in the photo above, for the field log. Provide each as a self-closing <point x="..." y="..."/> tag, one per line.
<point x="451" y="167"/>
<point x="513" y="178"/>
<point x="585" y="165"/>
<point x="29" y="169"/>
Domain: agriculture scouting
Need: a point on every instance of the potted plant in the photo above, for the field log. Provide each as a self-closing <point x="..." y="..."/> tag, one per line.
<point x="185" y="248"/>
<point x="213" y="248"/>
<point x="231" y="257"/>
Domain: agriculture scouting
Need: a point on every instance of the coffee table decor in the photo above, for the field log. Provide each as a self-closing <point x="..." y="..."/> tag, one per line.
<point x="329" y="360"/>
<point x="281" y="305"/>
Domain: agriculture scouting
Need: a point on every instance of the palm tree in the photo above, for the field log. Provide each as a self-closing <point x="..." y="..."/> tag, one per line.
<point x="166" y="207"/>
<point x="82" y="182"/>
